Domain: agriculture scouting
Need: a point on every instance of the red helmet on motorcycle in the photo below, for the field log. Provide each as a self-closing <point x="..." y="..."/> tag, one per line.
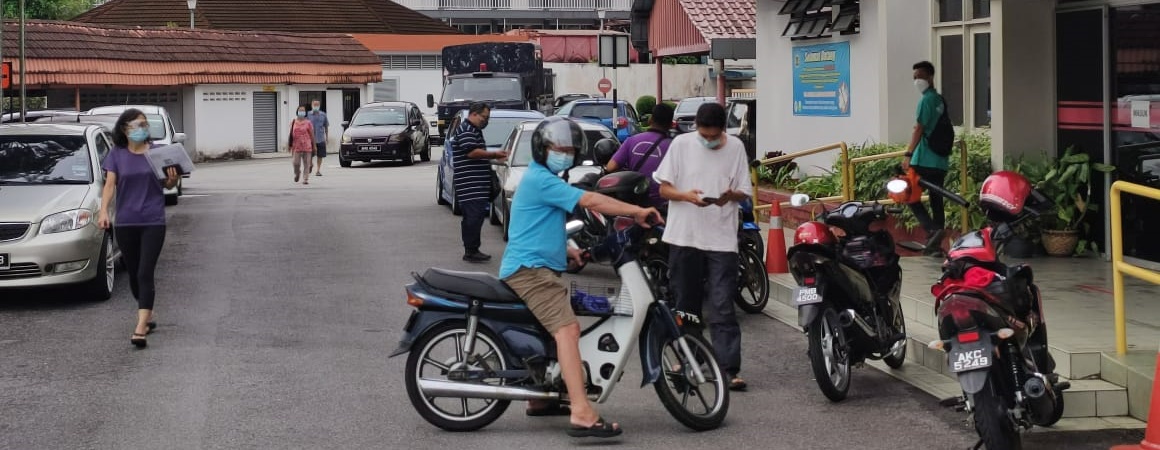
<point x="1004" y="193"/>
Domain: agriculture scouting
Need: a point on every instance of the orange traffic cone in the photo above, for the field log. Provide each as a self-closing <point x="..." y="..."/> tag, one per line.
<point x="1152" y="433"/>
<point x="775" y="261"/>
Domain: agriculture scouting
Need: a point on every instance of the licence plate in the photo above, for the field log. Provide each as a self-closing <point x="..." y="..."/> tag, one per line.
<point x="806" y="295"/>
<point x="368" y="148"/>
<point x="972" y="356"/>
<point x="5" y="261"/>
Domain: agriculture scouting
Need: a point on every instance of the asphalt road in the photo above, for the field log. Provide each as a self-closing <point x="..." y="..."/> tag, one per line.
<point x="278" y="303"/>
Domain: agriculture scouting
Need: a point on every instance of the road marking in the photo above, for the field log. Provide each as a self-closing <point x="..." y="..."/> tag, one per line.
<point x="194" y="195"/>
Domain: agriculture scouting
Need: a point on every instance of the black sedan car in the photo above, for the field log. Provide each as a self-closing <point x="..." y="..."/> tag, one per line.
<point x="393" y="131"/>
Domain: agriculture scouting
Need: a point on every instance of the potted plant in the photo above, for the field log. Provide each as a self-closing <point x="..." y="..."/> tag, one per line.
<point x="1068" y="184"/>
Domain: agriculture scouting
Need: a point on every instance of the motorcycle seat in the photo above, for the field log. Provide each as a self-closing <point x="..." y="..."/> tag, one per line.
<point x="479" y="285"/>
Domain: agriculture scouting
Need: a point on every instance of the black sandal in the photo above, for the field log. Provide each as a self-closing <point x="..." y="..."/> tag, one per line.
<point x="554" y="409"/>
<point x="151" y="326"/>
<point x="600" y="429"/>
<point x="737" y="384"/>
<point x="138" y="340"/>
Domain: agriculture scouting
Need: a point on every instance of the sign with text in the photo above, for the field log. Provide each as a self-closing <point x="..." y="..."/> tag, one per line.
<point x="604" y="85"/>
<point x="821" y="80"/>
<point x="5" y="75"/>
<point x="1141" y="114"/>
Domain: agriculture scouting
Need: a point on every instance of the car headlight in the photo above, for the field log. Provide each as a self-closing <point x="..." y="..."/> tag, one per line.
<point x="397" y="138"/>
<point x="346" y="139"/>
<point x="66" y="221"/>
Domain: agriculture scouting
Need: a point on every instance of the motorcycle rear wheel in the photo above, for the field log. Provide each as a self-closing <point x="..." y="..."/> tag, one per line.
<point x="995" y="428"/>
<point x="677" y="385"/>
<point x="487" y="345"/>
<point x="830" y="356"/>
<point x="897" y="357"/>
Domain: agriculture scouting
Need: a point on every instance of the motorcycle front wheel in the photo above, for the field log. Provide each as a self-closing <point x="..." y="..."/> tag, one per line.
<point x="830" y="356"/>
<point x="753" y="282"/>
<point x="992" y="422"/>
<point x="437" y="353"/>
<point x="699" y="406"/>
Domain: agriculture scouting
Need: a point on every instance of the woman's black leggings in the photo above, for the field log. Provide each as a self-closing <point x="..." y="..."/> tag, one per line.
<point x="141" y="247"/>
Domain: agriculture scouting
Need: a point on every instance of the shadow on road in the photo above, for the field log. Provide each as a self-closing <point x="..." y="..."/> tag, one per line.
<point x="46" y="299"/>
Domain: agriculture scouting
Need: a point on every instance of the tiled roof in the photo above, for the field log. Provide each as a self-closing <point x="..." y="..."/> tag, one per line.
<point x="390" y="43"/>
<point x="303" y="16"/>
<point x="66" y="53"/>
<point x="723" y="18"/>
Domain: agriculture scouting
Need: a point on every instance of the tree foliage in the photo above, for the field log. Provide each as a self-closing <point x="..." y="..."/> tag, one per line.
<point x="46" y="9"/>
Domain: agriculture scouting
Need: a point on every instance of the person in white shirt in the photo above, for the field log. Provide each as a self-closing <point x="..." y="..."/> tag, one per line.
<point x="704" y="176"/>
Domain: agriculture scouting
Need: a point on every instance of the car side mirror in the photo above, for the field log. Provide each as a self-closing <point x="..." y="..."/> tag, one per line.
<point x="178" y="138"/>
<point x="345" y="124"/>
<point x="430" y="100"/>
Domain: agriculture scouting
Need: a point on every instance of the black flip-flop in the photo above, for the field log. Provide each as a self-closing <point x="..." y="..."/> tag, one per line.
<point x="151" y="326"/>
<point x="600" y="429"/>
<point x="138" y="340"/>
<point x="554" y="409"/>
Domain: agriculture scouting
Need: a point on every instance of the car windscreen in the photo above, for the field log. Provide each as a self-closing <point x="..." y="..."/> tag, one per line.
<point x="32" y="159"/>
<point x="380" y="116"/>
<point x="156" y="123"/>
<point x="487" y="89"/>
<point x="689" y="106"/>
<point x="592" y="110"/>
<point x="499" y="129"/>
<point x="523" y="151"/>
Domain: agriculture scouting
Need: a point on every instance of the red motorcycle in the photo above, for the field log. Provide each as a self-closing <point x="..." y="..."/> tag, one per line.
<point x="991" y="322"/>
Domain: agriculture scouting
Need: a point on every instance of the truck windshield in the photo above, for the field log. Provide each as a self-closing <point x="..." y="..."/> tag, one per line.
<point x="487" y="89"/>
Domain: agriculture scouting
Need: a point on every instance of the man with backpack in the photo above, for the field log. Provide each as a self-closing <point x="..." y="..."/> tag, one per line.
<point x="644" y="152"/>
<point x="928" y="153"/>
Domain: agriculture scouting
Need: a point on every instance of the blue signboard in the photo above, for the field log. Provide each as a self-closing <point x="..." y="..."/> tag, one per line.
<point x="821" y="80"/>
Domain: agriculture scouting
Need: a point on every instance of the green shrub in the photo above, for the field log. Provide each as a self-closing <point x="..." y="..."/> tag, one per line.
<point x="645" y="104"/>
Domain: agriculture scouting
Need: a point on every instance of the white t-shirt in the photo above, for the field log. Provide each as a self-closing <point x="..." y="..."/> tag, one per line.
<point x="689" y="165"/>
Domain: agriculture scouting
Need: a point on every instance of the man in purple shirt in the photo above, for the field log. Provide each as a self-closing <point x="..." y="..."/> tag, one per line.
<point x="643" y="153"/>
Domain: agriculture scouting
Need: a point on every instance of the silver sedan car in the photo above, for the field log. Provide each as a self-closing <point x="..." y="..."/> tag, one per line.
<point x="50" y="194"/>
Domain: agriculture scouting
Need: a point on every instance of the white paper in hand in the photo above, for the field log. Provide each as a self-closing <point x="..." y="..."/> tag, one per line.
<point x="169" y="155"/>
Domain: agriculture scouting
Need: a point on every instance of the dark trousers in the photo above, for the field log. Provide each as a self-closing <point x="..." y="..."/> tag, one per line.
<point x="141" y="247"/>
<point x="936" y="219"/>
<point x="474" y="213"/>
<point x="689" y="269"/>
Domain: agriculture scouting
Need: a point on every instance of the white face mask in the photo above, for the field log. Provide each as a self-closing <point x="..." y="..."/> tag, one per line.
<point x="922" y="85"/>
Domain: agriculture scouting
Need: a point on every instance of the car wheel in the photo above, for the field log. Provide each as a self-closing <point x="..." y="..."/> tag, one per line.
<point x="409" y="160"/>
<point x="171" y="200"/>
<point x="439" y="188"/>
<point x="425" y="154"/>
<point x="507" y="220"/>
<point x="100" y="287"/>
<point x="455" y="206"/>
<point x="180" y="191"/>
<point x="343" y="161"/>
<point x="494" y="216"/>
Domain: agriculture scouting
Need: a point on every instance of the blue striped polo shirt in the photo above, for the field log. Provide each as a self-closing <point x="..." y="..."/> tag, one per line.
<point x="472" y="176"/>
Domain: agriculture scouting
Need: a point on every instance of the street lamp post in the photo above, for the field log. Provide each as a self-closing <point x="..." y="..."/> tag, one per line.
<point x="192" y="6"/>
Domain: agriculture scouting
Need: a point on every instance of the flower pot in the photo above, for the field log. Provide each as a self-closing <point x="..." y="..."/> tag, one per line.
<point x="1060" y="243"/>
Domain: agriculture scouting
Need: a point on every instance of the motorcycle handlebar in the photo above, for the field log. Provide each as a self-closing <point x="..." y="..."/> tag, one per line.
<point x="943" y="192"/>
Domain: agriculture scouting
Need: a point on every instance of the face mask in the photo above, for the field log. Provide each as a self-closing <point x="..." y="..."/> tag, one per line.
<point x="922" y="85"/>
<point x="301" y="113"/>
<point x="559" y="162"/>
<point x="139" y="135"/>
<point x="315" y="107"/>
<point x="711" y="145"/>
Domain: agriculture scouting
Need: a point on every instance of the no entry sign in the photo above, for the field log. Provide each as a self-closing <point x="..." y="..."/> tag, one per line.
<point x="5" y="75"/>
<point x="604" y="86"/>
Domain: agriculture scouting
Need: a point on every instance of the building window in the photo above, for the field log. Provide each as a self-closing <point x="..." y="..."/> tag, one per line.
<point x="412" y="62"/>
<point x="308" y="97"/>
<point x="962" y="37"/>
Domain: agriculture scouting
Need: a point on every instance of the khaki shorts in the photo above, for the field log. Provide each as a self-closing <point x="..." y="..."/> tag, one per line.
<point x="545" y="295"/>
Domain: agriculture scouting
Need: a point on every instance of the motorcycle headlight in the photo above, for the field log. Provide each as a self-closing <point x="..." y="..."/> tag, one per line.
<point x="66" y="221"/>
<point x="346" y="139"/>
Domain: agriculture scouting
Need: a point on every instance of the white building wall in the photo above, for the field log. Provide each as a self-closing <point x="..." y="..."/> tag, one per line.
<point x="189" y="114"/>
<point x="224" y="118"/>
<point x="894" y="35"/>
<point x="1023" y="92"/>
<point x="414" y="85"/>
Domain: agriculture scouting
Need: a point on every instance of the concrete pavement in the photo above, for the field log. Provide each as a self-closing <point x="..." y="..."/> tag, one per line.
<point x="278" y="303"/>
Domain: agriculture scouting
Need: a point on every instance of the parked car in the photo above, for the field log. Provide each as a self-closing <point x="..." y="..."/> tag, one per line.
<point x="511" y="171"/>
<point x="686" y="111"/>
<point x="433" y="124"/>
<point x="742" y="122"/>
<point x="393" y="131"/>
<point x="161" y="131"/>
<point x="50" y="194"/>
<point x="40" y="115"/>
<point x="599" y="110"/>
<point x="499" y="128"/>
<point x="564" y="99"/>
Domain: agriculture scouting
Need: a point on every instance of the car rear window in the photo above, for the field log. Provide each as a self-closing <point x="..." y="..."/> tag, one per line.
<point x="592" y="110"/>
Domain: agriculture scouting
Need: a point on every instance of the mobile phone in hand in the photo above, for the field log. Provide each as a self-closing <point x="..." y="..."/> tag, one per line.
<point x="709" y="199"/>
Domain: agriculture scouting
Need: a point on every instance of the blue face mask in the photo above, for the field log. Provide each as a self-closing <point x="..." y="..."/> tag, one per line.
<point x="559" y="162"/>
<point x="139" y="135"/>
<point x="711" y="145"/>
<point x="301" y="113"/>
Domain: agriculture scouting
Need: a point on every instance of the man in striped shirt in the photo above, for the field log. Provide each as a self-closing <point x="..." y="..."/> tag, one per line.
<point x="473" y="178"/>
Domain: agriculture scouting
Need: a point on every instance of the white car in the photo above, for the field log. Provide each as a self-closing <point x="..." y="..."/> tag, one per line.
<point x="519" y="148"/>
<point x="160" y="131"/>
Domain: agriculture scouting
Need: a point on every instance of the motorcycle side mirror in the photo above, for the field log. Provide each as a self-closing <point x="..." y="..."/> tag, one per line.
<point x="574" y="226"/>
<point x="799" y="199"/>
<point x="897" y="186"/>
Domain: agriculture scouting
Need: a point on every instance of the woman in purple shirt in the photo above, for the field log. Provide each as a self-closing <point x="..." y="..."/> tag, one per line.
<point x="139" y="224"/>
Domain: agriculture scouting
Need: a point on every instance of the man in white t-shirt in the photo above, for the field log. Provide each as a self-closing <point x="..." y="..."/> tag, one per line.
<point x="704" y="176"/>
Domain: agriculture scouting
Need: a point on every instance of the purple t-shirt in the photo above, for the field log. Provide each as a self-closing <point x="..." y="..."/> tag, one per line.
<point x="140" y="200"/>
<point x="632" y="152"/>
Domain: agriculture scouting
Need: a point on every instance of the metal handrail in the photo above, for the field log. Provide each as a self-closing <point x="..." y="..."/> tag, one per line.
<point x="964" y="176"/>
<point x="1119" y="266"/>
<point x="847" y="185"/>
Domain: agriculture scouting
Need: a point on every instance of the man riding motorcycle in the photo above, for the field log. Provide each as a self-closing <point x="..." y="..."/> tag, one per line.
<point x="537" y="253"/>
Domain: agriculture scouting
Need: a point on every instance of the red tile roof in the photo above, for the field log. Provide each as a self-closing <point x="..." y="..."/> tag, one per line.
<point x="76" y="54"/>
<point x="304" y="16"/>
<point x="393" y="43"/>
<point x="723" y="18"/>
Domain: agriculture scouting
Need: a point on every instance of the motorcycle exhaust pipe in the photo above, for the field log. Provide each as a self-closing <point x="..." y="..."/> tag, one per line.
<point x="440" y="388"/>
<point x="1040" y="402"/>
<point x="849" y="317"/>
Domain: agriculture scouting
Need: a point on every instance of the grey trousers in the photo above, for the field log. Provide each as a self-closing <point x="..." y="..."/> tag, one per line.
<point x="689" y="269"/>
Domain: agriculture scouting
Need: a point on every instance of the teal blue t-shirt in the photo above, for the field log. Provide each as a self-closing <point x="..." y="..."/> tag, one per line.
<point x="536" y="235"/>
<point x="930" y="109"/>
